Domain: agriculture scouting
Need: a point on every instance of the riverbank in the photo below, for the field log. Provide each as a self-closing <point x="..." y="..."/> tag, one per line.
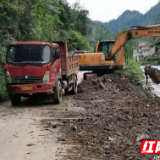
<point x="120" y="113"/>
<point x="155" y="87"/>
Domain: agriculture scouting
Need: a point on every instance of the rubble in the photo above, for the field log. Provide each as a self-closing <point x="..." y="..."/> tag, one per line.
<point x="153" y="73"/>
<point x="120" y="115"/>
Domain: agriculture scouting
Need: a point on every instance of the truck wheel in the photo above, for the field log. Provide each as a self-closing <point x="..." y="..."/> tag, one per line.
<point x="15" y="99"/>
<point x="57" y="95"/>
<point x="74" y="89"/>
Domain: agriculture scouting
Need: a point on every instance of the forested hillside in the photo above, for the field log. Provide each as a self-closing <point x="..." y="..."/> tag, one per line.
<point x="41" y="20"/>
<point x="126" y="20"/>
<point x="47" y="20"/>
<point x="133" y="18"/>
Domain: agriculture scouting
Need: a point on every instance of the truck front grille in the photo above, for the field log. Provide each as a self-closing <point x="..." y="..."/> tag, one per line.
<point x="23" y="80"/>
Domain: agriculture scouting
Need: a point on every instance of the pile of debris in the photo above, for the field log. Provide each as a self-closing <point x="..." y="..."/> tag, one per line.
<point x="153" y="73"/>
<point x="120" y="114"/>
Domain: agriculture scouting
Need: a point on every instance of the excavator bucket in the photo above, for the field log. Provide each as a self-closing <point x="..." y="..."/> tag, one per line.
<point x="153" y="73"/>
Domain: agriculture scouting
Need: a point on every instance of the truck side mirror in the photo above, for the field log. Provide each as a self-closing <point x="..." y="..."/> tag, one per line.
<point x="57" y="54"/>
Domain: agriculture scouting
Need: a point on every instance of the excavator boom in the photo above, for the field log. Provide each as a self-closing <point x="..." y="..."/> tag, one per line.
<point x="134" y="32"/>
<point x="110" y="55"/>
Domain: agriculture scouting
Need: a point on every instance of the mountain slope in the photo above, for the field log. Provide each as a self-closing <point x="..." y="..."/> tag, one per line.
<point x="126" y="20"/>
<point x="153" y="15"/>
<point x="134" y="18"/>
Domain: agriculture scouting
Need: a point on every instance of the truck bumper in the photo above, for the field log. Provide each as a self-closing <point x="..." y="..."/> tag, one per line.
<point x="31" y="88"/>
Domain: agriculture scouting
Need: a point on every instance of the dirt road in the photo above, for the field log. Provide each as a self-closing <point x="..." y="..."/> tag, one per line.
<point x="22" y="135"/>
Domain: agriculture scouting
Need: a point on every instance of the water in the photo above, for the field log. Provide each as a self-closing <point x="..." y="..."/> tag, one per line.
<point x="155" y="86"/>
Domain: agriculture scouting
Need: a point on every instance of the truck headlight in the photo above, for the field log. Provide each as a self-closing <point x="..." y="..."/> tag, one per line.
<point x="8" y="77"/>
<point x="46" y="77"/>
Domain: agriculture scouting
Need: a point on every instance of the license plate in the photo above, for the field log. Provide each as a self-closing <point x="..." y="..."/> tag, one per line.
<point x="29" y="88"/>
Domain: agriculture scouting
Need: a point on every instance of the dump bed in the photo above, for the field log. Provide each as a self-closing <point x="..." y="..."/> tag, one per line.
<point x="69" y="63"/>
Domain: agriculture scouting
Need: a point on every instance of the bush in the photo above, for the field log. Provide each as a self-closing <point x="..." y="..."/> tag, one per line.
<point x="78" y="41"/>
<point x="40" y="20"/>
<point x="3" y="90"/>
<point x="134" y="69"/>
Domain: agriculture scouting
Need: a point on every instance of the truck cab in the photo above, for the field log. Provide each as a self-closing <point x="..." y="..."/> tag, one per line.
<point x="39" y="67"/>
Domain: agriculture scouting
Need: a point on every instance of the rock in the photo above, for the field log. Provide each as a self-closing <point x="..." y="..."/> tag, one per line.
<point x="95" y="82"/>
<point x="128" y="117"/>
<point x="64" y="121"/>
<point x="153" y="73"/>
<point x="119" y="133"/>
<point x="145" y="115"/>
<point x="31" y="144"/>
<point x="62" y="139"/>
<point x="74" y="128"/>
<point x="31" y="132"/>
<point x="82" y="133"/>
<point x="107" y="152"/>
<point x="106" y="147"/>
<point x="142" y="137"/>
<point x="54" y="124"/>
<point x="97" y="114"/>
<point x="101" y="84"/>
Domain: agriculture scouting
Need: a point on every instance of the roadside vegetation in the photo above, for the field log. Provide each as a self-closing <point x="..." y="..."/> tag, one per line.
<point x="132" y="67"/>
<point x="41" y="20"/>
<point x="150" y="60"/>
<point x="48" y="20"/>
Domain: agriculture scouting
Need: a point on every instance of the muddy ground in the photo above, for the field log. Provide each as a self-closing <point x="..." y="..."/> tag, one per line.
<point x="27" y="132"/>
<point x="22" y="135"/>
<point x="119" y="114"/>
<point x="106" y="120"/>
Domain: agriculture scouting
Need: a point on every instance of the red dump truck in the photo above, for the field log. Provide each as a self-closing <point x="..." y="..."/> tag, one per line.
<point x="40" y="67"/>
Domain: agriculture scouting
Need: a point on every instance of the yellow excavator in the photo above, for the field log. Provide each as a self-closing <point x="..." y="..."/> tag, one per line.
<point x="110" y="55"/>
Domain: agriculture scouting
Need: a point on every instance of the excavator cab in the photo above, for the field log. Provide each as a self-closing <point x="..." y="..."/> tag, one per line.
<point x="105" y="46"/>
<point x="96" y="62"/>
<point x="109" y="55"/>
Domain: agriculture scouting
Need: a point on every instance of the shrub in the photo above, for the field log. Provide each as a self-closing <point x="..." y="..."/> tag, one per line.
<point x="3" y="90"/>
<point x="134" y="69"/>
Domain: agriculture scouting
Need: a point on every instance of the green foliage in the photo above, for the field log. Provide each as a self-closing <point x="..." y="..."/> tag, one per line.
<point x="133" y="18"/>
<point x="158" y="52"/>
<point x="96" y="31"/>
<point x="3" y="90"/>
<point x="78" y="42"/>
<point x="134" y="69"/>
<point x="129" y="48"/>
<point x="125" y="21"/>
<point x="41" y="20"/>
<point x="150" y="60"/>
<point x="5" y="39"/>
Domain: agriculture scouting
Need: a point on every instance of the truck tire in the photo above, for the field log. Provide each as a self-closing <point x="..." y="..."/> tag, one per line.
<point x="74" y="89"/>
<point x="15" y="99"/>
<point x="57" y="95"/>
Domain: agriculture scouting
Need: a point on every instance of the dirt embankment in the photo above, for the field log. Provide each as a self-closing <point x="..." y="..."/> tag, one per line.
<point x="120" y="113"/>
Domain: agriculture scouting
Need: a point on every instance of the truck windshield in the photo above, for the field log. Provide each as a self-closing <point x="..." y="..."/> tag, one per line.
<point x="28" y="54"/>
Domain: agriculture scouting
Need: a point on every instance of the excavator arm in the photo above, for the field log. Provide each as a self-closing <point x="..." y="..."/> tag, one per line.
<point x="134" y="32"/>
